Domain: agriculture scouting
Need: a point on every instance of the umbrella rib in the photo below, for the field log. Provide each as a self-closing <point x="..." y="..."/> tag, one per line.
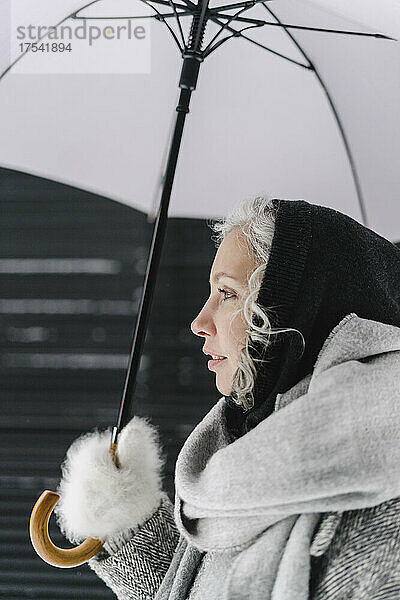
<point x="167" y="3"/>
<point x="207" y="50"/>
<point x="237" y="33"/>
<point x="161" y="18"/>
<point x="338" y="121"/>
<point x="94" y="18"/>
<point x="183" y="13"/>
<point x="248" y="4"/>
<point x="131" y="17"/>
<point x="242" y="19"/>
<point x="216" y="12"/>
<point x="177" y="20"/>
<point x="305" y="28"/>
<point x="229" y="37"/>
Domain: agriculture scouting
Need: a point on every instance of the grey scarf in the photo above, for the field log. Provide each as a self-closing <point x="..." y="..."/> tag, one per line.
<point x="335" y="448"/>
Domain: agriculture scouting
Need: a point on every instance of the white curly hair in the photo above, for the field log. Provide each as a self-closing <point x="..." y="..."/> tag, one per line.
<point x="255" y="218"/>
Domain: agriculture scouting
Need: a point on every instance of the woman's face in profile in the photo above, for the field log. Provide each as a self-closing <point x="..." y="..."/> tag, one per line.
<point x="224" y="336"/>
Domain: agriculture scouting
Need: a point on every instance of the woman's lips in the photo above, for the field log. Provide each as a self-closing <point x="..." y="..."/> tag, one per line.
<point x="214" y="363"/>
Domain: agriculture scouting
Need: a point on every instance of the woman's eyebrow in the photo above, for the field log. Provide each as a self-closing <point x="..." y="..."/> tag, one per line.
<point x="218" y="276"/>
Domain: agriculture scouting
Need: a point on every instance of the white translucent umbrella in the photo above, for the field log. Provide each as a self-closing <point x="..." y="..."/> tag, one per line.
<point x="315" y="116"/>
<point x="304" y="104"/>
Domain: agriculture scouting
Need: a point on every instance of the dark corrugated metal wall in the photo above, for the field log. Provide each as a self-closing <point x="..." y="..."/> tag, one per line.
<point x="65" y="327"/>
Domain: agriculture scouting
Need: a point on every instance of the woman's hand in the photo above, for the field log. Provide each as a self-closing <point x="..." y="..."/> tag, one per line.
<point x="100" y="500"/>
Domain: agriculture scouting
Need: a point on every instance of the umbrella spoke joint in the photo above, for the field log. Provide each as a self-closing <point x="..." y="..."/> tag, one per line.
<point x="192" y="54"/>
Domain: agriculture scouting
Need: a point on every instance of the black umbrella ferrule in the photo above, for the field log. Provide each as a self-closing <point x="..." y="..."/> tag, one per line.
<point x="190" y="70"/>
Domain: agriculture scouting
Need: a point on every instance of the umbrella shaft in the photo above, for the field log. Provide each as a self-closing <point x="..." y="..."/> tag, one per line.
<point x="152" y="266"/>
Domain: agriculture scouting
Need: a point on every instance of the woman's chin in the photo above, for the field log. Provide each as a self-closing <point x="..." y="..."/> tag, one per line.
<point x="223" y="388"/>
<point x="224" y="378"/>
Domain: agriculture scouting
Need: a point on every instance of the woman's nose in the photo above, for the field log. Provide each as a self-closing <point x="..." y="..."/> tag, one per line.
<point x="203" y="324"/>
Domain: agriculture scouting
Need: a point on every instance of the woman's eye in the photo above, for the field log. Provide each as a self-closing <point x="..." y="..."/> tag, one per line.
<point x="227" y="295"/>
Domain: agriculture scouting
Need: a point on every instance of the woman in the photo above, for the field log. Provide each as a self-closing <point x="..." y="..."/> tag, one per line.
<point x="289" y="488"/>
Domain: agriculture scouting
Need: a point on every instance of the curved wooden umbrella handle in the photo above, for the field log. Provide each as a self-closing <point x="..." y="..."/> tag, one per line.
<point x="39" y="532"/>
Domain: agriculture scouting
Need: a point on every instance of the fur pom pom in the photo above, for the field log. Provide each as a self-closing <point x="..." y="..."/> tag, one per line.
<point x="97" y="499"/>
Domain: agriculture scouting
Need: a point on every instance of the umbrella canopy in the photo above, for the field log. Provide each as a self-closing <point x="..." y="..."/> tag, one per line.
<point x="290" y="111"/>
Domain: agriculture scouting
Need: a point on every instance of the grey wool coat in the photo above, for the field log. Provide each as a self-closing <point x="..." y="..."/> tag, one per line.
<point x="306" y="506"/>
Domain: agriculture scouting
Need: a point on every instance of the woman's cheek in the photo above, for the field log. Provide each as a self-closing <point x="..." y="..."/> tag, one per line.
<point x="239" y="327"/>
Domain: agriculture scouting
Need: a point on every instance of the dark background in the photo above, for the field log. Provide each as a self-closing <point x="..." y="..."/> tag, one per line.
<point x="65" y="330"/>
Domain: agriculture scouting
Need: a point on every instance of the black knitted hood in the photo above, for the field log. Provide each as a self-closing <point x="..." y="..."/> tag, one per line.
<point x="323" y="265"/>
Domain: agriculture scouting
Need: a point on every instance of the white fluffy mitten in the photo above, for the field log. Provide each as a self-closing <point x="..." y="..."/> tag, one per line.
<point x="99" y="500"/>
